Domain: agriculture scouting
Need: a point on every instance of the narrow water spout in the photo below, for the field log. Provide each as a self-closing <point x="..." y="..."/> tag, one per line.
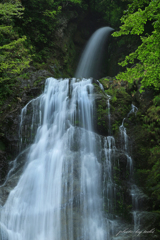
<point x="92" y="56"/>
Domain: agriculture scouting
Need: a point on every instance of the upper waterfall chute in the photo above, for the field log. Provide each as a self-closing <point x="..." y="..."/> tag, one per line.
<point x="91" y="58"/>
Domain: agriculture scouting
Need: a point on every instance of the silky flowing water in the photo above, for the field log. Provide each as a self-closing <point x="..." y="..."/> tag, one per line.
<point x="66" y="189"/>
<point x="58" y="195"/>
<point x="92" y="56"/>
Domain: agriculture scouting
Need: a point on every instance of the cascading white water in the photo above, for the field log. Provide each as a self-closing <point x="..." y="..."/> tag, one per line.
<point x="58" y="195"/>
<point x="67" y="189"/>
<point x="93" y="53"/>
<point x="100" y="85"/>
<point x="135" y="192"/>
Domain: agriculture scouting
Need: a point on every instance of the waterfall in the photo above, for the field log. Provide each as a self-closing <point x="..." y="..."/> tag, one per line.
<point x="136" y="194"/>
<point x="66" y="188"/>
<point x="58" y="195"/>
<point x="91" y="58"/>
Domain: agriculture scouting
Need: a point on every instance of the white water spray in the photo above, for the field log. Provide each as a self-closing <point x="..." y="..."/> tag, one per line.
<point x="91" y="58"/>
<point x="58" y="195"/>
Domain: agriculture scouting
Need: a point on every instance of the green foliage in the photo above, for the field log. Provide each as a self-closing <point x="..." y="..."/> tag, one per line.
<point x="153" y="115"/>
<point x="147" y="56"/>
<point x="2" y="146"/>
<point x="156" y="100"/>
<point x="149" y="151"/>
<point x="76" y="1"/>
<point x="115" y="126"/>
<point x="111" y="11"/>
<point x="153" y="179"/>
<point x="40" y="21"/>
<point x="112" y="93"/>
<point x="135" y="4"/>
<point x="8" y="10"/>
<point x="14" y="56"/>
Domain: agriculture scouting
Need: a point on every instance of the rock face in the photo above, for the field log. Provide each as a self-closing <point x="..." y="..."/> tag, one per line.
<point x="141" y="126"/>
<point x="9" y="136"/>
<point x="3" y="164"/>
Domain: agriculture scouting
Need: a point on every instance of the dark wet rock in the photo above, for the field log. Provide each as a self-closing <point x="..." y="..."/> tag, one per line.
<point x="3" y="165"/>
<point x="138" y="140"/>
<point x="144" y="99"/>
<point x="113" y="83"/>
<point x="120" y="105"/>
<point x="36" y="78"/>
<point x="10" y="132"/>
<point x="149" y="223"/>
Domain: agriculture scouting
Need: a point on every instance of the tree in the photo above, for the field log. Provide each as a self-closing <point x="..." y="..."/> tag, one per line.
<point x="39" y="23"/>
<point x="13" y="54"/>
<point x="146" y="59"/>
